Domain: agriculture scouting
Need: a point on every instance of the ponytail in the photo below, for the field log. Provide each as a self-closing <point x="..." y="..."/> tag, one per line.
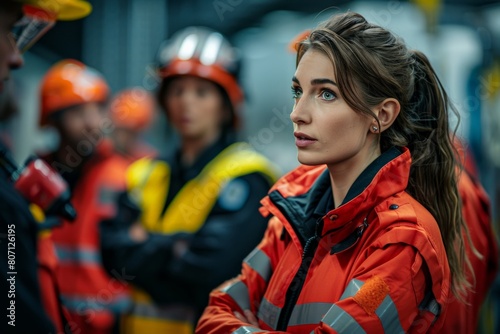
<point x="433" y="175"/>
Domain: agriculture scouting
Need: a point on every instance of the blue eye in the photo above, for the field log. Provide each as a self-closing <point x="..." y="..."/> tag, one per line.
<point x="327" y="95"/>
<point x="296" y="92"/>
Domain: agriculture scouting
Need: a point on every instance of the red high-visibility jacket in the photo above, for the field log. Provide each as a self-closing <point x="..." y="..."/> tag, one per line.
<point x="463" y="316"/>
<point x="91" y="296"/>
<point x="374" y="264"/>
<point x="47" y="267"/>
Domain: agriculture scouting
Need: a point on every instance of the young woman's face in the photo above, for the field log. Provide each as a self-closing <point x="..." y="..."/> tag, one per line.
<point x="326" y="129"/>
<point x="195" y="108"/>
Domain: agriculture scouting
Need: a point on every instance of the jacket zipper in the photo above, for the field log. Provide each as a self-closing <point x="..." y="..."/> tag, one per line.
<point x="298" y="281"/>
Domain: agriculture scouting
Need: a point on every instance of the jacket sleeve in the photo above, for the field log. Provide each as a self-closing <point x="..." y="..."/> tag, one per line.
<point x="139" y="260"/>
<point x="245" y="291"/>
<point x="385" y="295"/>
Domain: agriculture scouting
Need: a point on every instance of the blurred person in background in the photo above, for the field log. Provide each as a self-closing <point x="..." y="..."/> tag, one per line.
<point x="366" y="236"/>
<point x="73" y="101"/>
<point x="463" y="316"/>
<point x="132" y="111"/>
<point x="21" y="24"/>
<point x="188" y="220"/>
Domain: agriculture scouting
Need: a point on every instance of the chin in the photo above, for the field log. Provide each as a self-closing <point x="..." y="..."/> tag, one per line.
<point x="309" y="159"/>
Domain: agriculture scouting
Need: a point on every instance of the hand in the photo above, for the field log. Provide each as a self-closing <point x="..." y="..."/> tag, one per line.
<point x="249" y="317"/>
<point x="137" y="232"/>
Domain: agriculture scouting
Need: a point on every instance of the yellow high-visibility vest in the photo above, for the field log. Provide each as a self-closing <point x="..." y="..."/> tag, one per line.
<point x="148" y="184"/>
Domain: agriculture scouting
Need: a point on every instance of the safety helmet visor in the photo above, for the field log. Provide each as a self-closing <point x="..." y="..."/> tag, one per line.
<point x="31" y="26"/>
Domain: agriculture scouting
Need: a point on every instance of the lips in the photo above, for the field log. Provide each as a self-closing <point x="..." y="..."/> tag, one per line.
<point x="302" y="140"/>
<point x="302" y="136"/>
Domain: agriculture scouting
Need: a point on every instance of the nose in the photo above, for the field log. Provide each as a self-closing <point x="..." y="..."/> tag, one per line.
<point x="16" y="60"/>
<point x="93" y="116"/>
<point x="299" y="113"/>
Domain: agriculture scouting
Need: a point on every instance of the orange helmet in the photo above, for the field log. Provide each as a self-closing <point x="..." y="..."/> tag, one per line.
<point x="69" y="83"/>
<point x="204" y="53"/>
<point x="294" y="44"/>
<point x="132" y="108"/>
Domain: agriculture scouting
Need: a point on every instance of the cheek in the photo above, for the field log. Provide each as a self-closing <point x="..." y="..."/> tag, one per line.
<point x="173" y="107"/>
<point x="345" y="130"/>
<point x="211" y="109"/>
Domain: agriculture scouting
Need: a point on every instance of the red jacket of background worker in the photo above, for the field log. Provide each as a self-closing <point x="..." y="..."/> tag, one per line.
<point x="91" y="296"/>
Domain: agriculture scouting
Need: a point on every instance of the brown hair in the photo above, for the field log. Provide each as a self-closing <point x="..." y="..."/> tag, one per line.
<point x="372" y="64"/>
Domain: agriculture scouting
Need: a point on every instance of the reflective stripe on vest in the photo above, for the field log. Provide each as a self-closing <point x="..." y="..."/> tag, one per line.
<point x="238" y="291"/>
<point x="148" y="182"/>
<point x="260" y="262"/>
<point x="68" y="255"/>
<point x="102" y="302"/>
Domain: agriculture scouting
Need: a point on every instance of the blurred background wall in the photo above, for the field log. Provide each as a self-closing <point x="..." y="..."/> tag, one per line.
<point x="120" y="39"/>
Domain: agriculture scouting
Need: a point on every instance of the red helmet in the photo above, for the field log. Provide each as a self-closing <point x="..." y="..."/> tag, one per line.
<point x="203" y="53"/>
<point x="69" y="83"/>
<point x="132" y="108"/>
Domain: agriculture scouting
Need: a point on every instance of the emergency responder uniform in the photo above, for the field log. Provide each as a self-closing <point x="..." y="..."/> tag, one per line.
<point x="374" y="264"/>
<point x="19" y="228"/>
<point x="202" y="219"/>
<point x="92" y="297"/>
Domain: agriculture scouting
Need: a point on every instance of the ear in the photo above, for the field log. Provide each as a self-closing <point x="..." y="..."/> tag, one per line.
<point x="387" y="112"/>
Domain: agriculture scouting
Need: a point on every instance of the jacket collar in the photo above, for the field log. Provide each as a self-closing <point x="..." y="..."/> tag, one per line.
<point x="300" y="196"/>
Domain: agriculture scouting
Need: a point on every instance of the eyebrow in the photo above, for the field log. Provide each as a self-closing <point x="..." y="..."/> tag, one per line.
<point x="319" y="81"/>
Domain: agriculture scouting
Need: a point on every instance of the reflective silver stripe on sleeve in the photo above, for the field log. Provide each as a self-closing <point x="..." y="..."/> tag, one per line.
<point x="310" y="313"/>
<point x="67" y="255"/>
<point x="388" y="315"/>
<point x="269" y="313"/>
<point x="120" y="303"/>
<point x="260" y="262"/>
<point x="341" y="321"/>
<point x="434" y="307"/>
<point x="107" y="195"/>
<point x="352" y="288"/>
<point x="239" y="292"/>
<point x="248" y="329"/>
